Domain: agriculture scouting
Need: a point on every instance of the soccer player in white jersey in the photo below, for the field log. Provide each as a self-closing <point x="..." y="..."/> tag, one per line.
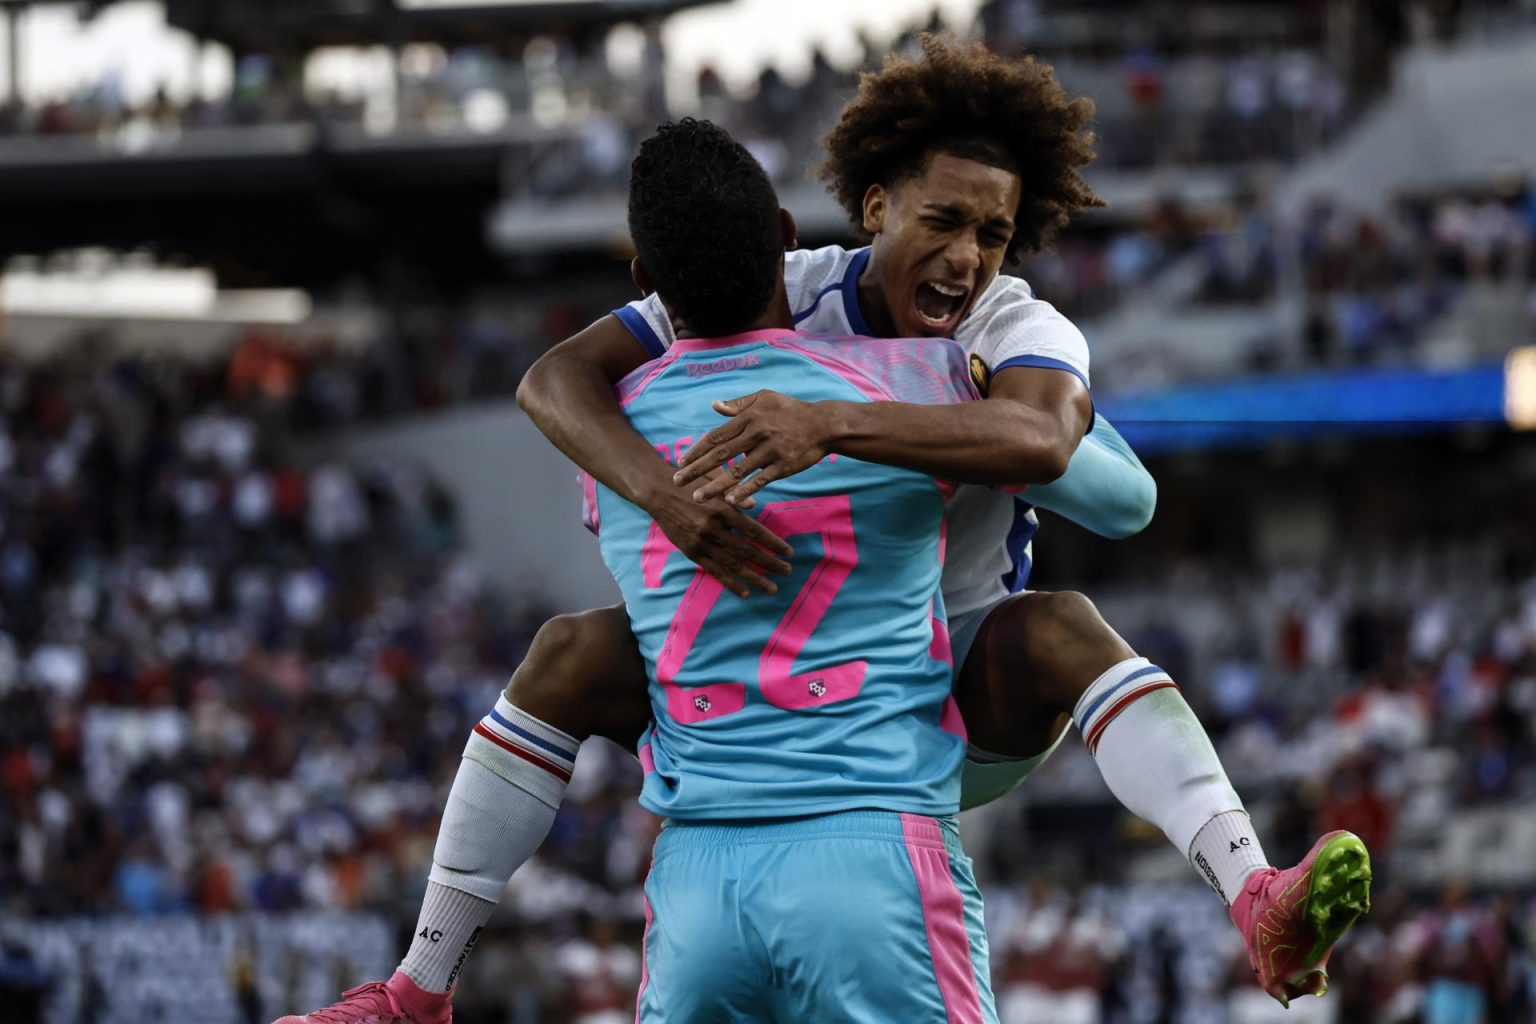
<point x="952" y="163"/>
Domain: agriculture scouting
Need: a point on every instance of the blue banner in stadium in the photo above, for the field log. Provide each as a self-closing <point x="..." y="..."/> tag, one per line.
<point x="1297" y="407"/>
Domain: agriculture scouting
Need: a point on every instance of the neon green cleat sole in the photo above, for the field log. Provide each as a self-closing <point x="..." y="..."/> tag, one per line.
<point x="1340" y="892"/>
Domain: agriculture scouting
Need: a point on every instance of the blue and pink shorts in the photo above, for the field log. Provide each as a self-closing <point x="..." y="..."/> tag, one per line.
<point x="865" y="917"/>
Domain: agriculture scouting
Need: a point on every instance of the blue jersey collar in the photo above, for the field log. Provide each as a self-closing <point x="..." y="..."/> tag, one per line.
<point x="856" y="321"/>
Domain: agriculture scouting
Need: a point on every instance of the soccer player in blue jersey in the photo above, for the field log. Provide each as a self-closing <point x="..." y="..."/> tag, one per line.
<point x="953" y="163"/>
<point x="804" y="748"/>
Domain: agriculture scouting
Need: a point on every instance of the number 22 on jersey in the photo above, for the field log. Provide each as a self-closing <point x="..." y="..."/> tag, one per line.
<point x="831" y="517"/>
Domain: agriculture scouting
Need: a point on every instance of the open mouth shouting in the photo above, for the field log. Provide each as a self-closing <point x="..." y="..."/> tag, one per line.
<point x="941" y="305"/>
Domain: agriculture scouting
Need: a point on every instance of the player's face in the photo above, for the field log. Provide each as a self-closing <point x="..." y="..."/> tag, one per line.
<point x="940" y="238"/>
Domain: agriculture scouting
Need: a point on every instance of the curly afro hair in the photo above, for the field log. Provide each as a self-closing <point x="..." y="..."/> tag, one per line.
<point x="705" y="222"/>
<point x="971" y="103"/>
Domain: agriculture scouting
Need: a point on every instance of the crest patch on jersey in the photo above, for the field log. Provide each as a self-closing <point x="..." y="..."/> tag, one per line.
<point x="981" y="376"/>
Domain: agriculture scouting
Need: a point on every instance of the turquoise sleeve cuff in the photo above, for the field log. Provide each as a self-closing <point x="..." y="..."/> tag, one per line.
<point x="1105" y="489"/>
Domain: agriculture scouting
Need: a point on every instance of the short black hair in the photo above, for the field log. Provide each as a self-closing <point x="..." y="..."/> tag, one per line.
<point x="705" y="222"/>
<point x="972" y="103"/>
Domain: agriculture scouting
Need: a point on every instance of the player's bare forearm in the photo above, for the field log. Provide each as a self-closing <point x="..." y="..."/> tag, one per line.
<point x="998" y="441"/>
<point x="1024" y="433"/>
<point x="569" y="395"/>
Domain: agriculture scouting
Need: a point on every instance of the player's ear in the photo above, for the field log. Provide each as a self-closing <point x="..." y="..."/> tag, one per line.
<point x="789" y="229"/>
<point x="641" y="278"/>
<point x="876" y="201"/>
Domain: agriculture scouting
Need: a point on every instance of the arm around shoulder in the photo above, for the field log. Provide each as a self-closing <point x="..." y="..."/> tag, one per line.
<point x="569" y="394"/>
<point x="602" y="354"/>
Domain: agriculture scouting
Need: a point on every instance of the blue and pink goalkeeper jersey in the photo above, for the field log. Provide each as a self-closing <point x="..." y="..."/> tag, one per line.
<point x="834" y="694"/>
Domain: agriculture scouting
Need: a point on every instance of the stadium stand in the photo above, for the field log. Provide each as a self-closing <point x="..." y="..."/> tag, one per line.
<point x="240" y="647"/>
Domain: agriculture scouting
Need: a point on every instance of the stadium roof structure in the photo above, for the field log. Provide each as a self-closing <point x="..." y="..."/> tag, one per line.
<point x="303" y="204"/>
<point x="258" y="25"/>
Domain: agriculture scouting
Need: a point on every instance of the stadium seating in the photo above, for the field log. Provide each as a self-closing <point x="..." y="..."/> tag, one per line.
<point x="244" y="630"/>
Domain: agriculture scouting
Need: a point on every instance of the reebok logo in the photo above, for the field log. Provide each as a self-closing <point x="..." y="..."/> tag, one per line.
<point x="745" y="362"/>
<point x="1210" y="876"/>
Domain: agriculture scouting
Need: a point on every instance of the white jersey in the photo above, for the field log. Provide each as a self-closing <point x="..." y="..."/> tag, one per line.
<point x="990" y="533"/>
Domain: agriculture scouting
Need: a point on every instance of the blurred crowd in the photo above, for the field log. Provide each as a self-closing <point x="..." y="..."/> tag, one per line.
<point x="104" y="111"/>
<point x="1391" y="689"/>
<point x="1096" y="264"/>
<point x="1111" y="954"/>
<point x="1378" y="289"/>
<point x="198" y="630"/>
<point x="236" y="673"/>
<point x="1160" y="102"/>
<point x="1155" y="107"/>
<point x="1171" y="89"/>
<point x="1444" y="277"/>
<point x="309" y="383"/>
<point x="234" y="677"/>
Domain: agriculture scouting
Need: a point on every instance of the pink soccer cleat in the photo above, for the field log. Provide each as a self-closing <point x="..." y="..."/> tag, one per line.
<point x="396" y="1001"/>
<point x="1291" y="919"/>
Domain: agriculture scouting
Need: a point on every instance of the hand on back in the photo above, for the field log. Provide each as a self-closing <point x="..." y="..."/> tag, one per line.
<point x="720" y="538"/>
<point x="775" y="435"/>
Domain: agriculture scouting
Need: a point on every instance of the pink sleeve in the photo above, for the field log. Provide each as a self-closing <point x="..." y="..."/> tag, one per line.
<point x="923" y="371"/>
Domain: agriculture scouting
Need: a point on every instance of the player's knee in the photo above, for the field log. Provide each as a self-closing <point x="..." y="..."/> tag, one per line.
<point x="1066" y="645"/>
<point x="567" y="665"/>
<point x="569" y="651"/>
<point x="1066" y="618"/>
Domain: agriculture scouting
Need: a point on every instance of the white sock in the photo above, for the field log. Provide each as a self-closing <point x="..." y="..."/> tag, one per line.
<point x="446" y="930"/>
<point x="1227" y="852"/>
<point x="1159" y="763"/>
<point x="503" y="801"/>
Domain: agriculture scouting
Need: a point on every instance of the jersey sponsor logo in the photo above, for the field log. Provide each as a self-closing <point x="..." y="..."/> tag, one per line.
<point x="745" y="362"/>
<point x="981" y="375"/>
<point x="1210" y="876"/>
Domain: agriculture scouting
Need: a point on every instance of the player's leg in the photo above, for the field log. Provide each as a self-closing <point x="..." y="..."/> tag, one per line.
<point x="582" y="676"/>
<point x="872" y="917"/>
<point x="1040" y="661"/>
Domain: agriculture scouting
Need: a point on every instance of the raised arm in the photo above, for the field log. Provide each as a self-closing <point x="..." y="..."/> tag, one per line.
<point x="569" y="395"/>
